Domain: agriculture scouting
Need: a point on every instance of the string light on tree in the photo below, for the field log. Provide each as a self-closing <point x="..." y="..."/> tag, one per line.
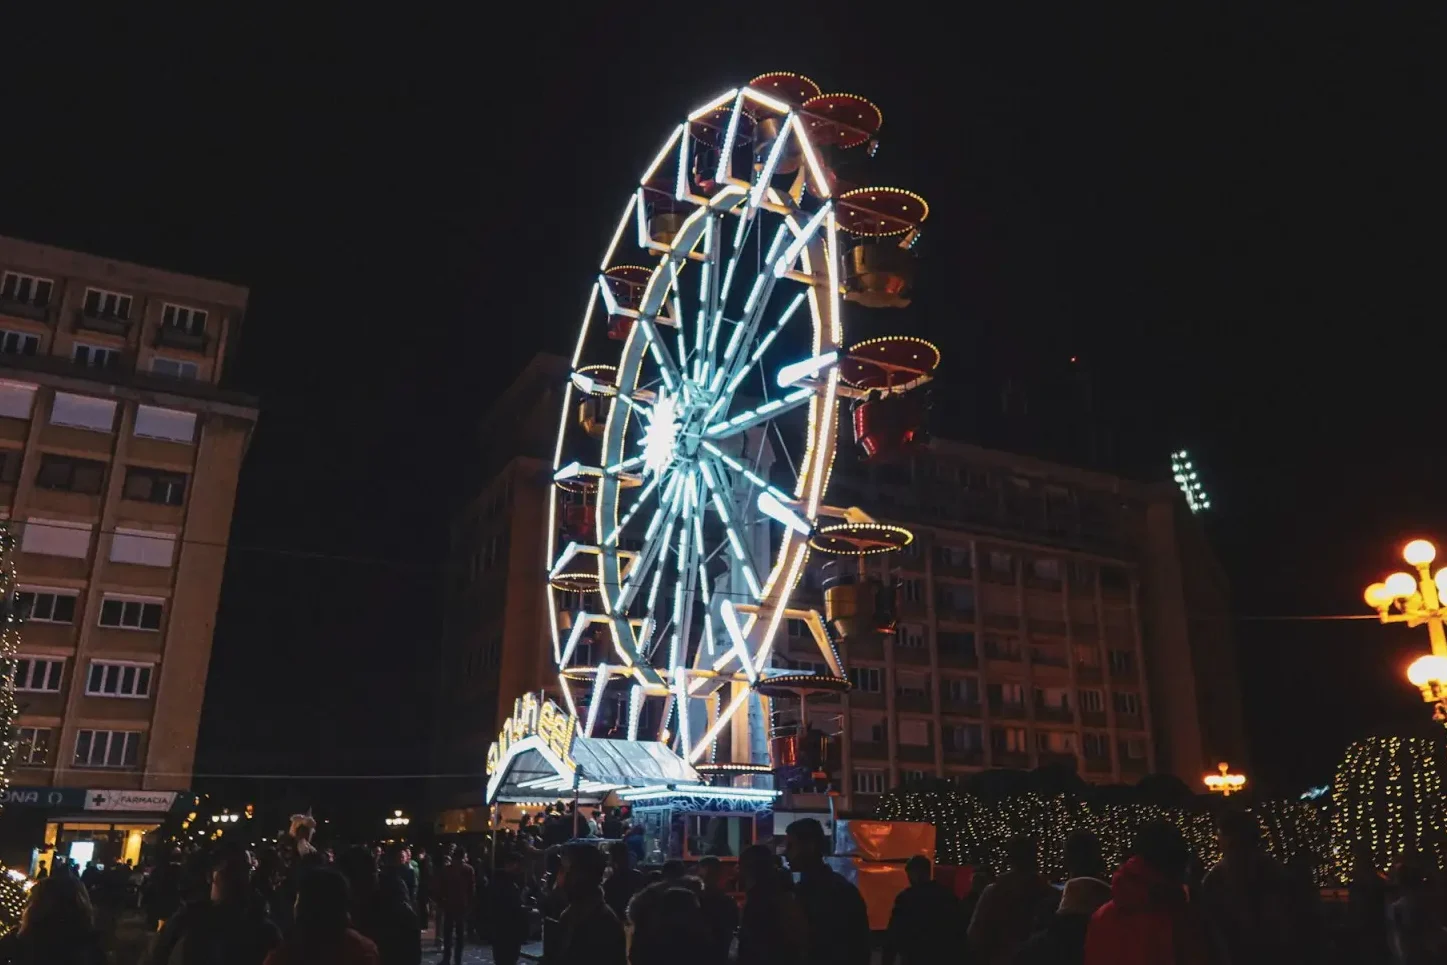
<point x="1185" y="475"/>
<point x="13" y="885"/>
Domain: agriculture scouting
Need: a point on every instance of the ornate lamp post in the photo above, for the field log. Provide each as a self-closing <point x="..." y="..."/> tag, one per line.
<point x="398" y="820"/>
<point x="1417" y="600"/>
<point x="1224" y="783"/>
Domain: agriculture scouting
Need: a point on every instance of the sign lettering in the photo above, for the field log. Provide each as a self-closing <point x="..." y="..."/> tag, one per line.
<point x="535" y="716"/>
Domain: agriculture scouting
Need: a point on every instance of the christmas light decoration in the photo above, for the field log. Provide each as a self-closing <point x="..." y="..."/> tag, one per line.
<point x="12" y="888"/>
<point x="973" y="831"/>
<point x="1388" y="794"/>
<point x="1185" y="475"/>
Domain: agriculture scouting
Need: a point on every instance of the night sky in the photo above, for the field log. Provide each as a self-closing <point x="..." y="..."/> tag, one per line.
<point x="1235" y="225"/>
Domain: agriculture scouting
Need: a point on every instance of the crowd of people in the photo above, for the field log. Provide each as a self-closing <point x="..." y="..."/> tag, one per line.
<point x="594" y="901"/>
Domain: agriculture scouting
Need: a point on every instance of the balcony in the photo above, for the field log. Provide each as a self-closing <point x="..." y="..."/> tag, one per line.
<point x="1097" y="765"/>
<point x="1058" y="759"/>
<point x="169" y="336"/>
<point x="916" y="754"/>
<point x="863" y="700"/>
<point x="869" y="751"/>
<point x="1058" y="714"/>
<point x="1014" y="759"/>
<point x="1088" y="675"/>
<point x="108" y="324"/>
<point x="19" y="309"/>
<point x="1129" y="722"/>
<point x="1007" y="711"/>
<point x="1003" y="621"/>
<point x="970" y="756"/>
<point x="1046" y="627"/>
<point x="912" y="656"/>
<point x="967" y="708"/>
<point x="1093" y="718"/>
<point x="913" y="703"/>
<point x="965" y="659"/>
<point x="1135" y="766"/>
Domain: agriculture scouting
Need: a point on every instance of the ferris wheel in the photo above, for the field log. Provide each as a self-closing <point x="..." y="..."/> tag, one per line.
<point x="700" y="421"/>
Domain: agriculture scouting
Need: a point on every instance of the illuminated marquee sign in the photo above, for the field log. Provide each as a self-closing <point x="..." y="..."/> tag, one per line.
<point x="535" y="716"/>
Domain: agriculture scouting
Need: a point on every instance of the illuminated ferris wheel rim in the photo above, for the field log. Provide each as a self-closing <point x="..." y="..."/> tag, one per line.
<point x="684" y="461"/>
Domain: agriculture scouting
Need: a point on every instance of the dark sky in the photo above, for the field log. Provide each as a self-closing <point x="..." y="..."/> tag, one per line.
<point x="1235" y="224"/>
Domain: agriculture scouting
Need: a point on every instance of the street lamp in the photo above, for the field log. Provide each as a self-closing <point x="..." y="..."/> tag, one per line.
<point x="1224" y="783"/>
<point x="1415" y="600"/>
<point x="398" y="820"/>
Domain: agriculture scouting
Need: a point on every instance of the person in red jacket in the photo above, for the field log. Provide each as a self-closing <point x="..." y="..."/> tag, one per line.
<point x="1148" y="920"/>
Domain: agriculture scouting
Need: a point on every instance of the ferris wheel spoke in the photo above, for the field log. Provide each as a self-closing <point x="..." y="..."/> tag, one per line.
<point x="749" y="418"/>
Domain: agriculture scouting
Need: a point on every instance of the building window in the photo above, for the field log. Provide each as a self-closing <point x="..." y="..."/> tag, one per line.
<point x="18" y="343"/>
<point x="957" y="643"/>
<point x="911" y="684"/>
<point x="172" y="425"/>
<point x="956" y="557"/>
<point x="1002" y="647"/>
<point x="1092" y="701"/>
<point x="1122" y="661"/>
<point x="70" y="475"/>
<point x="796" y="629"/>
<point x="128" y="613"/>
<point x="913" y="777"/>
<point x="1097" y="746"/>
<point x="955" y="598"/>
<point x="1055" y="742"/>
<point x="1046" y="571"/>
<point x="83" y="412"/>
<point x="914" y="733"/>
<point x="1087" y="656"/>
<point x="192" y="321"/>
<point x="103" y="304"/>
<point x="111" y="678"/>
<point x="155" y="486"/>
<point x="1133" y="748"/>
<point x="868" y="782"/>
<point x="54" y="537"/>
<point x="1082" y="575"/>
<point x="96" y="356"/>
<point x="174" y="368"/>
<point x="1010" y="740"/>
<point x="909" y="635"/>
<point x="16" y="399"/>
<point x="142" y="547"/>
<point x="1114" y="578"/>
<point x="107" y="748"/>
<point x="38" y="674"/>
<point x="962" y="690"/>
<point x="1128" y="703"/>
<point x="868" y="679"/>
<point x="1001" y="563"/>
<point x="46" y="606"/>
<point x="912" y="591"/>
<point x="25" y="289"/>
<point x="1052" y="698"/>
<point x="32" y="746"/>
<point x="963" y="737"/>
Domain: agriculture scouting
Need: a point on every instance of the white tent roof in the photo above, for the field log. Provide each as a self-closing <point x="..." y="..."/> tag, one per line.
<point x="531" y="773"/>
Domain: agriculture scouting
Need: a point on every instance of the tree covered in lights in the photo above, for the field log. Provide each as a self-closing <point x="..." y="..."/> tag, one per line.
<point x="1388" y="794"/>
<point x="12" y="894"/>
<point x="971" y="830"/>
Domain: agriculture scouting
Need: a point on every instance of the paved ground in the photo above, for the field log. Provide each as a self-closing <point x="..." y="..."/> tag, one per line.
<point x="475" y="954"/>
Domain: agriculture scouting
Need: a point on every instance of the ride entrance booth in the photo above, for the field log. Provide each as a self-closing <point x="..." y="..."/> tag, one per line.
<point x="540" y="756"/>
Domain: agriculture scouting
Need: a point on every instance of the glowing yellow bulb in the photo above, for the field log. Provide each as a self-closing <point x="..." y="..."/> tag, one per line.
<point x="1378" y="596"/>
<point x="1425" y="670"/>
<point x="1419" y="552"/>
<point x="1401" y="585"/>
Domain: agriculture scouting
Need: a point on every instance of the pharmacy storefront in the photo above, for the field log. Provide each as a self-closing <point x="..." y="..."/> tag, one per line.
<point x="105" y="826"/>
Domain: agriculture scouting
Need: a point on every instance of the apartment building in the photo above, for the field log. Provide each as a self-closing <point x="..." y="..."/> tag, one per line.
<point x="1046" y="615"/>
<point x="119" y="458"/>
<point x="494" y="639"/>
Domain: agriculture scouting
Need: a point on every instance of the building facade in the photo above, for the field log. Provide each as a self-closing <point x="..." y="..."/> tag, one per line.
<point x="1046" y="615"/>
<point x="494" y="638"/>
<point x="119" y="460"/>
